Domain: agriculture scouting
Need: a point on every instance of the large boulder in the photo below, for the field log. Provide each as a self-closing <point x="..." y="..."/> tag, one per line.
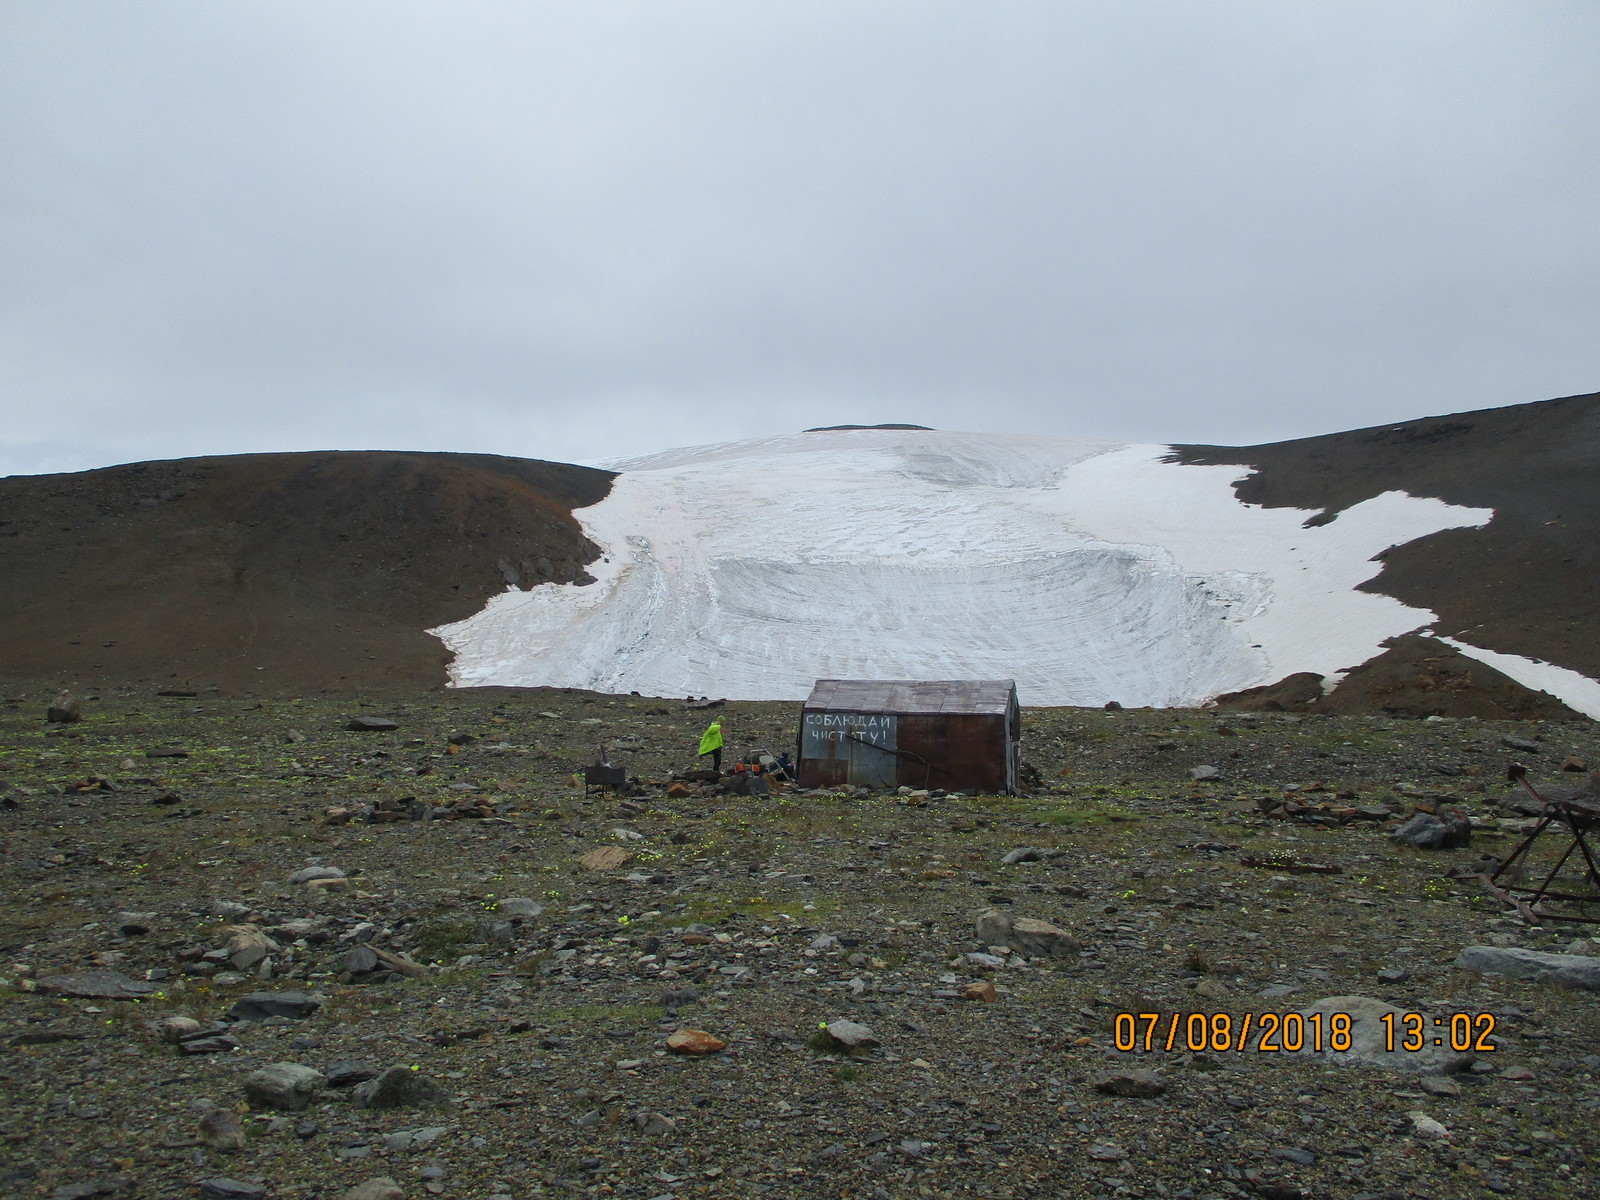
<point x="1036" y="939"/>
<point x="1445" y="830"/>
<point x="398" y="1087"/>
<point x="287" y="1086"/>
<point x="1375" y="1042"/>
<point x="65" y="710"/>
<point x="1579" y="971"/>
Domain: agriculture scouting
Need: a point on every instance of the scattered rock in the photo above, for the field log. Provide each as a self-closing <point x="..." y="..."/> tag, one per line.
<point x="220" y="1130"/>
<point x="982" y="990"/>
<point x="605" y="858"/>
<point x="1425" y="1126"/>
<point x="286" y="1086"/>
<point x="371" y="724"/>
<point x="64" y="711"/>
<point x="96" y="985"/>
<point x="654" y="1124"/>
<point x="1578" y="971"/>
<point x="231" y="1189"/>
<point x="519" y="906"/>
<point x="175" y="1029"/>
<point x="112" y="1186"/>
<point x="246" y="946"/>
<point x="398" y="1087"/>
<point x="1204" y="772"/>
<point x="1024" y="854"/>
<point x="379" y="1188"/>
<point x="314" y="873"/>
<point x="361" y="960"/>
<point x="694" y="1041"/>
<point x="1370" y="1037"/>
<point x="1140" y="1084"/>
<point x="1034" y="938"/>
<point x="1445" y="830"/>
<point x="258" y="1006"/>
<point x="1107" y="1152"/>
<point x="348" y="1072"/>
<point x="851" y="1036"/>
<point x="399" y="963"/>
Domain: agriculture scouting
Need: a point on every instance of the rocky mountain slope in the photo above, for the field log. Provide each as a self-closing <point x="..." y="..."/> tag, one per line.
<point x="1089" y="571"/>
<point x="274" y="571"/>
<point x="1524" y="583"/>
<point x="524" y="1001"/>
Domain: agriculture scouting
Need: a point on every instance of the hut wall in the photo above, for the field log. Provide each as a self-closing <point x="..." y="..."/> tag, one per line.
<point x="954" y="751"/>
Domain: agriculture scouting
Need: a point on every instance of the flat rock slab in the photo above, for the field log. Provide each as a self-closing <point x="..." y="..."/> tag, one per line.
<point x="112" y="1186"/>
<point x="371" y="724"/>
<point x="694" y="1041"/>
<point x="850" y="1035"/>
<point x="348" y="1072"/>
<point x="312" y="874"/>
<point x="380" y="1188"/>
<point x="232" y="1189"/>
<point x="1371" y="1038"/>
<point x="1579" y="971"/>
<point x="97" y="985"/>
<point x="606" y="858"/>
<point x="258" y="1006"/>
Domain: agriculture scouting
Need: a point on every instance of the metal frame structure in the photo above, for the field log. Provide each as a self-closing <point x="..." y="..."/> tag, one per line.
<point x="1576" y="815"/>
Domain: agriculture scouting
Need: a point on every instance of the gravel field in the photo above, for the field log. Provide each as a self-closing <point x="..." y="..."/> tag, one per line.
<point x="535" y="1008"/>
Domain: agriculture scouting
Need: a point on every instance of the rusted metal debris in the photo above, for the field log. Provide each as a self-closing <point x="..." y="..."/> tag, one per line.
<point x="1570" y="812"/>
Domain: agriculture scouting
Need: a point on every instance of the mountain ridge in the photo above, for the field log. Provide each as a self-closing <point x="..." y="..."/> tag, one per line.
<point x="326" y="570"/>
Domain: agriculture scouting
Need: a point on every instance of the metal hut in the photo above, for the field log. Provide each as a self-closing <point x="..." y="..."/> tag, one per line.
<point x="956" y="734"/>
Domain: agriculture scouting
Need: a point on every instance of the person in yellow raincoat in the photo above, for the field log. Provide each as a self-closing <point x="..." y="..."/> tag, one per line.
<point x="711" y="743"/>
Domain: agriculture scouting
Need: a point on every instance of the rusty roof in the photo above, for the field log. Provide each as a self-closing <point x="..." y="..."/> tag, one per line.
<point x="913" y="695"/>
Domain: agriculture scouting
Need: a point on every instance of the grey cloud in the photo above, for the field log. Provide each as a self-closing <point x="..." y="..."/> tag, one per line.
<point x="582" y="231"/>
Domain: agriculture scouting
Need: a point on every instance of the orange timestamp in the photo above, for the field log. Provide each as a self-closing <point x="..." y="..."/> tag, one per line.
<point x="1292" y="1032"/>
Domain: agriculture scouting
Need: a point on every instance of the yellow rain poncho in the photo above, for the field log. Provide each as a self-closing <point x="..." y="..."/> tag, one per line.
<point x="711" y="739"/>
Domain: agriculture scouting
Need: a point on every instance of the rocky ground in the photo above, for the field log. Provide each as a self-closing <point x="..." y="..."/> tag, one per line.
<point x="158" y="851"/>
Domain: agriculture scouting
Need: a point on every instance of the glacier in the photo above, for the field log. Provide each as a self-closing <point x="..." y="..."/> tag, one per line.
<point x="1086" y="570"/>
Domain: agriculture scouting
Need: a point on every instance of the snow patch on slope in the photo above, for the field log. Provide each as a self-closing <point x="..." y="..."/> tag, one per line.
<point x="1577" y="692"/>
<point x="1086" y="570"/>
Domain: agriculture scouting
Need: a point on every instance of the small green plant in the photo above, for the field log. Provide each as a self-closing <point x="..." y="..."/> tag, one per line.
<point x="437" y="940"/>
<point x="847" y="1073"/>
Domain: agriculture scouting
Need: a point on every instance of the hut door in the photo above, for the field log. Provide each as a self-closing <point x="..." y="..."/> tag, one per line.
<point x="871" y="765"/>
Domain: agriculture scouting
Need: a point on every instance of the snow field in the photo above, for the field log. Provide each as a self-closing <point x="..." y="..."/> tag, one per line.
<point x="1086" y="570"/>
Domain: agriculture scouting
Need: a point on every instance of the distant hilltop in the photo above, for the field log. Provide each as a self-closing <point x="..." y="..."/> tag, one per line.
<point x="838" y="428"/>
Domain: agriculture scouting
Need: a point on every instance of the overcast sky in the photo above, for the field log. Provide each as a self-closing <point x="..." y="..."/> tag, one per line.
<point x="583" y="230"/>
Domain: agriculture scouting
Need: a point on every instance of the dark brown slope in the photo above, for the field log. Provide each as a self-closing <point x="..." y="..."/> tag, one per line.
<point x="274" y="571"/>
<point x="1528" y="583"/>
